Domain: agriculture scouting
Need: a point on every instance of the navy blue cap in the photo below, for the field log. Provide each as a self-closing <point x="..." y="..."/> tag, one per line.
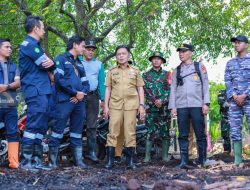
<point x="90" y="43"/>
<point x="239" y="38"/>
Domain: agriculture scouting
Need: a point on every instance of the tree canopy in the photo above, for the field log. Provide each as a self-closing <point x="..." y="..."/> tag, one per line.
<point x="144" y="25"/>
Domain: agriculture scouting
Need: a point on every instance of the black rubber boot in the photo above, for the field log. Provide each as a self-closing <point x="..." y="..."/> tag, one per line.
<point x="227" y="147"/>
<point x="130" y="156"/>
<point x="202" y="151"/>
<point x="184" y="159"/>
<point x="77" y="156"/>
<point x="183" y="143"/>
<point x="110" y="157"/>
<point x="26" y="162"/>
<point x="38" y="158"/>
<point x="53" y="152"/>
<point x="91" y="149"/>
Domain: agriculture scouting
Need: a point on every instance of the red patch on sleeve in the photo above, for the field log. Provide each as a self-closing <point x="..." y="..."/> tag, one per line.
<point x="203" y="69"/>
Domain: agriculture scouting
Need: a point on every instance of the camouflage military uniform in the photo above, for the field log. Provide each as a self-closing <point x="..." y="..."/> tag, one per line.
<point x="157" y="119"/>
<point x="237" y="79"/>
<point x="224" y="124"/>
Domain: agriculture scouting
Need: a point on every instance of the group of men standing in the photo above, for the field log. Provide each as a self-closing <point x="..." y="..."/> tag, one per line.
<point x="76" y="93"/>
<point x="78" y="81"/>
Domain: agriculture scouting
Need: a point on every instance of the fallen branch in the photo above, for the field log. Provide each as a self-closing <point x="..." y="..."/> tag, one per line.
<point x="220" y="166"/>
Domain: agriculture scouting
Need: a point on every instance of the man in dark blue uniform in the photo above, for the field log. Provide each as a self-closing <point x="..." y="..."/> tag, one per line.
<point x="71" y="88"/>
<point x="34" y="67"/>
<point x="9" y="82"/>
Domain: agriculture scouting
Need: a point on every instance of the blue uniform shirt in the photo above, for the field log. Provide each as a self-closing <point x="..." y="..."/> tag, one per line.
<point x="237" y="76"/>
<point x="70" y="77"/>
<point x="34" y="77"/>
<point x="95" y="75"/>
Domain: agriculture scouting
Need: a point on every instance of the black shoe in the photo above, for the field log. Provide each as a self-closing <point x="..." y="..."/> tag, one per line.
<point x="130" y="158"/>
<point x="38" y="158"/>
<point x="53" y="152"/>
<point x="26" y="162"/>
<point x="77" y="156"/>
<point x="91" y="146"/>
<point x="110" y="157"/>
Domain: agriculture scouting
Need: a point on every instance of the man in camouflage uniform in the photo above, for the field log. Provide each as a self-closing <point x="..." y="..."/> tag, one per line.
<point x="157" y="90"/>
<point x="224" y="124"/>
<point x="237" y="79"/>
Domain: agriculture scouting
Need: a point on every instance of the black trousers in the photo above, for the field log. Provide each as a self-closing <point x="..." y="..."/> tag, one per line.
<point x="197" y="117"/>
<point x="92" y="111"/>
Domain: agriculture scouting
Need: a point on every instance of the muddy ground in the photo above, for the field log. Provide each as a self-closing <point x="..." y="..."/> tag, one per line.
<point x="69" y="178"/>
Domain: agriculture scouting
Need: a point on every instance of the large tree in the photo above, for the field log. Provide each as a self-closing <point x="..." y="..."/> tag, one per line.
<point x="144" y="24"/>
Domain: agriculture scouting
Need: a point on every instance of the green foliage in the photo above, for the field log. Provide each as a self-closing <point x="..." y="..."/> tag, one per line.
<point x="146" y="25"/>
<point x="214" y="113"/>
<point x="215" y="132"/>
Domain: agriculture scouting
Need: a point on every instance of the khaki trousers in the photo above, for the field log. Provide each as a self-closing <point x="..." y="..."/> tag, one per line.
<point x="120" y="143"/>
<point x="127" y="120"/>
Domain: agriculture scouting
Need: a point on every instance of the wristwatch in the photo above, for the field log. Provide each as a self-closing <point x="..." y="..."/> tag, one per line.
<point x="8" y="87"/>
<point x="142" y="105"/>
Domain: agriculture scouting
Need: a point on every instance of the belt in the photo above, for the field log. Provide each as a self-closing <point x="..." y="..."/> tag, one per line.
<point x="93" y="92"/>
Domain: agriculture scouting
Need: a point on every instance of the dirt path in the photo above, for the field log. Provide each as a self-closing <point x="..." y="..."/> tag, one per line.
<point x="69" y="178"/>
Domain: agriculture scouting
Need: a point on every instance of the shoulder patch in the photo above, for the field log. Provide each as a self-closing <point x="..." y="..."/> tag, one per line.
<point x="57" y="62"/>
<point x="24" y="43"/>
<point x="203" y="69"/>
<point x="37" y="50"/>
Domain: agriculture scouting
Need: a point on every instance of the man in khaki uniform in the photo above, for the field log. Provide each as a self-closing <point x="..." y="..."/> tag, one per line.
<point x="124" y="98"/>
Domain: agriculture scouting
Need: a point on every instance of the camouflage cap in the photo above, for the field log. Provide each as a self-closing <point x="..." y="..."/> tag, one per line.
<point x="157" y="54"/>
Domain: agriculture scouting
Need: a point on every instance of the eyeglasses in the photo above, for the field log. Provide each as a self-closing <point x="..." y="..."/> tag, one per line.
<point x="91" y="49"/>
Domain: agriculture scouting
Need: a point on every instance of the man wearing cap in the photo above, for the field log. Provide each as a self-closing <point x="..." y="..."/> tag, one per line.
<point x="157" y="90"/>
<point x="237" y="80"/>
<point x="96" y="77"/>
<point x="189" y="99"/>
